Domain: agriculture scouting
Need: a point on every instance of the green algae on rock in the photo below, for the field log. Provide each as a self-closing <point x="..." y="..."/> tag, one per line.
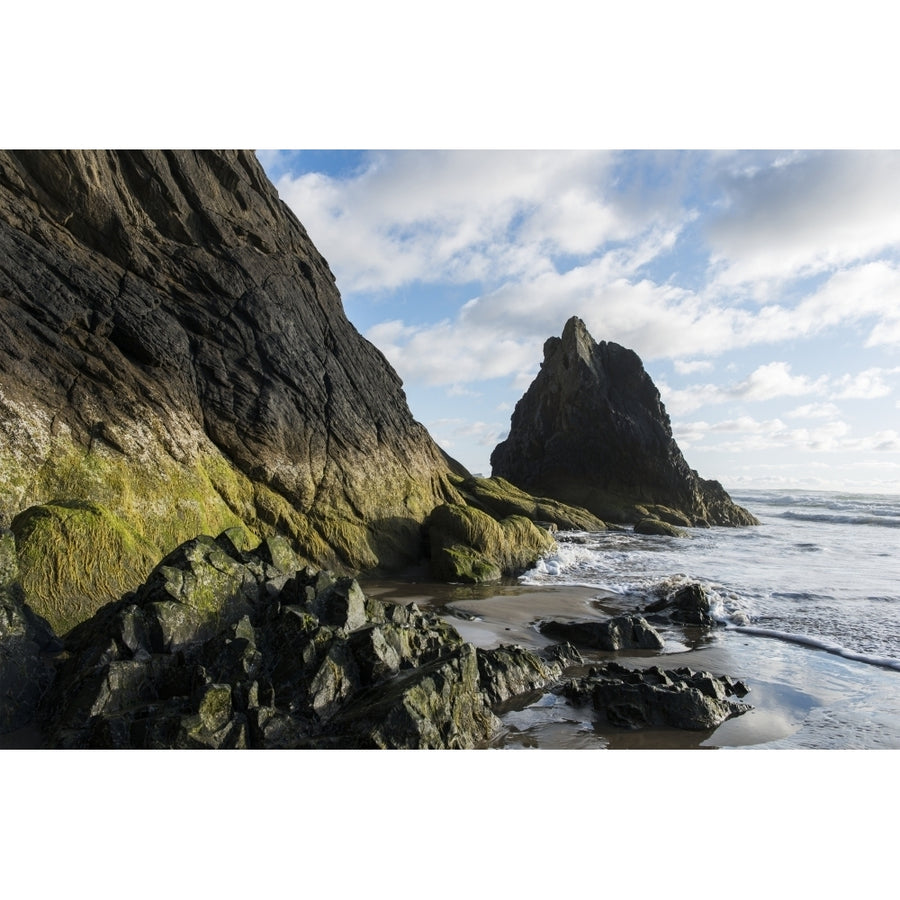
<point x="501" y="498"/>
<point x="75" y="556"/>
<point x="174" y="350"/>
<point x="470" y="546"/>
<point x="252" y="652"/>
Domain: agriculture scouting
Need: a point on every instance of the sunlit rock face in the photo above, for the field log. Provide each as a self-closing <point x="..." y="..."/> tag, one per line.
<point x="174" y="349"/>
<point x="592" y="431"/>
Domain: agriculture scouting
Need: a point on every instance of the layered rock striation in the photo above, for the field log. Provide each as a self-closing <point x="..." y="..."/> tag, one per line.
<point x="175" y="359"/>
<point x="591" y="431"/>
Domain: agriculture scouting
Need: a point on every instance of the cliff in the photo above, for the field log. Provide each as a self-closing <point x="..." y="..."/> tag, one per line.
<point x="592" y="431"/>
<point x="175" y="360"/>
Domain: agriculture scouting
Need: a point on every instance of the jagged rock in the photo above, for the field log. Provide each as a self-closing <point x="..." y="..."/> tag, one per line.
<point x="680" y="698"/>
<point x="27" y="647"/>
<point x="508" y="671"/>
<point x="619" y="633"/>
<point x="689" y="605"/>
<point x="174" y="353"/>
<point x="436" y="706"/>
<point x="592" y="431"/>
<point x="221" y="649"/>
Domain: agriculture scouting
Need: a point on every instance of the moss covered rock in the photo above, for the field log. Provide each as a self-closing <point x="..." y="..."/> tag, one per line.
<point x="76" y="556"/>
<point x="658" y="527"/>
<point x="470" y="546"/>
<point x="501" y="498"/>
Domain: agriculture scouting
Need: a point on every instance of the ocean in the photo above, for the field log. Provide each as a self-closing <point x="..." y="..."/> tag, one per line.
<point x="808" y="610"/>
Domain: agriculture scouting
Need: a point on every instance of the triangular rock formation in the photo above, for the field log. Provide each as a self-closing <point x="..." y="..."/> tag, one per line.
<point x="592" y="431"/>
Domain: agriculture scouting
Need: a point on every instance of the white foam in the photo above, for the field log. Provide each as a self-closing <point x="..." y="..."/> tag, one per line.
<point x="819" y="644"/>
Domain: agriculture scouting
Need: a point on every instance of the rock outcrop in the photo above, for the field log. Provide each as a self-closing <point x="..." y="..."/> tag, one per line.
<point x="679" y="698"/>
<point x="227" y="648"/>
<point x="688" y="605"/>
<point x="592" y="431"/>
<point x="470" y="546"/>
<point x="618" y="633"/>
<point x="175" y="359"/>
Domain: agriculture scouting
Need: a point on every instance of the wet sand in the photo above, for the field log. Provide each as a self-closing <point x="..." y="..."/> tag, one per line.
<point x="801" y="697"/>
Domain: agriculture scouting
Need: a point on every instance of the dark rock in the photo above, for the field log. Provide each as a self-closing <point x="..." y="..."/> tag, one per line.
<point x="565" y="654"/>
<point x="689" y="605"/>
<point x="173" y="349"/>
<point x="658" y="527"/>
<point x="592" y="431"/>
<point x="342" y="605"/>
<point x="27" y="647"/>
<point x="214" y="651"/>
<point x="509" y="671"/>
<point x="619" y="633"/>
<point x="437" y="706"/>
<point x="679" y="698"/>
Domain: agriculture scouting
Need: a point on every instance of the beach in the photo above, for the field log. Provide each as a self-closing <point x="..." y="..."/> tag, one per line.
<point x="801" y="696"/>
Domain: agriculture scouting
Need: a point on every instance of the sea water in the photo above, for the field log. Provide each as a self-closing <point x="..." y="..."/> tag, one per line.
<point x="808" y="607"/>
<point x="822" y="569"/>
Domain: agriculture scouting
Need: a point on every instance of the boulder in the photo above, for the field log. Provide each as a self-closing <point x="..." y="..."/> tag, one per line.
<point x="592" y="431"/>
<point x="689" y="605"/>
<point x="658" y="527"/>
<point x="653" y="698"/>
<point x="619" y="633"/>
<point x="467" y="545"/>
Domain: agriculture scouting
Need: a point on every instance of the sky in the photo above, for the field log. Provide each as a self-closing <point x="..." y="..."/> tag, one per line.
<point x="761" y="290"/>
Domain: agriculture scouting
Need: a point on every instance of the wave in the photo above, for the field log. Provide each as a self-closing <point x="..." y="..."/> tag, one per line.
<point x="880" y="510"/>
<point x="819" y="644"/>
<point x="883" y="520"/>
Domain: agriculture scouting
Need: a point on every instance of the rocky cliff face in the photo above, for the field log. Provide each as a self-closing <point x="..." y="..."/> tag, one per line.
<point x="592" y="431"/>
<point x="174" y="359"/>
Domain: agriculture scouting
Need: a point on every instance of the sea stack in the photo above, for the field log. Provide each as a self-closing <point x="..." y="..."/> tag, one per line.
<point x="175" y="360"/>
<point x="592" y="431"/>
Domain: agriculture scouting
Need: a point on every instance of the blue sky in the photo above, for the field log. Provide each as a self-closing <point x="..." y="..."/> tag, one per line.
<point x="761" y="290"/>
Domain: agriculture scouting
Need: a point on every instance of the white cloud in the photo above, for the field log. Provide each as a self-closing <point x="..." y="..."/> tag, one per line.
<point x="450" y="354"/>
<point x="812" y="212"/>
<point x="866" y="385"/>
<point x="766" y="382"/>
<point x="814" y="411"/>
<point x="450" y="432"/>
<point x="688" y="367"/>
<point x="775" y="380"/>
<point x="460" y="215"/>
<point x="754" y="435"/>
